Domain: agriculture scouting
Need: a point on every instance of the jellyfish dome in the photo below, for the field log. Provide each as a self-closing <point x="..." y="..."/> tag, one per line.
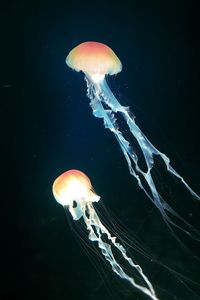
<point x="71" y="186"/>
<point x="94" y="58"/>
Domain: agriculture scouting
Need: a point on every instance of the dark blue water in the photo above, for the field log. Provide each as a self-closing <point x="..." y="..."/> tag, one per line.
<point x="48" y="128"/>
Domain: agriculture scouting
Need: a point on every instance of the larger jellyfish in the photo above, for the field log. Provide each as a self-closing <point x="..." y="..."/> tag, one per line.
<point x="73" y="190"/>
<point x="97" y="60"/>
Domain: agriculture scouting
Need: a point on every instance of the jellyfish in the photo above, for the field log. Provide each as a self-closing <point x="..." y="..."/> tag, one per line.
<point x="74" y="191"/>
<point x="96" y="61"/>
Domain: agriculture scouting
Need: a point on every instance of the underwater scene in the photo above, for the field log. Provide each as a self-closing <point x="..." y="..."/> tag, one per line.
<point x="100" y="150"/>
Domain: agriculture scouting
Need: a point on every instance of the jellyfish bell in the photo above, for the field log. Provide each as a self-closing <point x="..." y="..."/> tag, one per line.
<point x="73" y="189"/>
<point x="94" y="59"/>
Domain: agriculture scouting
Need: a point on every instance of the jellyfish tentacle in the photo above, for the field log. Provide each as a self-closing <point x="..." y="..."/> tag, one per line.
<point x="99" y="94"/>
<point x="92" y="220"/>
<point x="146" y="146"/>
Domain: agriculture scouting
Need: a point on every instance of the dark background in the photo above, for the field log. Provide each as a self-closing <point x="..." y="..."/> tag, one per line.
<point x="47" y="128"/>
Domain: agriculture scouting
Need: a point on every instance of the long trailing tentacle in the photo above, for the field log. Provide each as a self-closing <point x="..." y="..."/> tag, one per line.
<point x="100" y="93"/>
<point x="96" y="232"/>
<point x="146" y="146"/>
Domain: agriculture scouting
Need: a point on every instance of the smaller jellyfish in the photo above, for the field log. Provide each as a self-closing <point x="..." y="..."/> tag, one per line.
<point x="73" y="190"/>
